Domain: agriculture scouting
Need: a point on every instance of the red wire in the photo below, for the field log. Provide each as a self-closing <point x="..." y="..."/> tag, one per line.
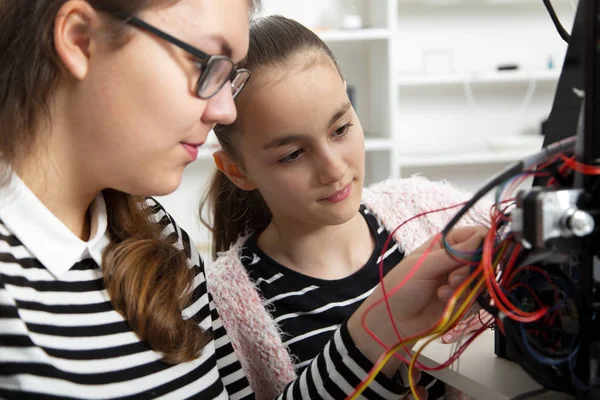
<point x="545" y="275"/>
<point x="386" y="296"/>
<point x="499" y="299"/>
<point x="398" y="287"/>
<point x="381" y="275"/>
<point x="579" y="167"/>
<point x="502" y="302"/>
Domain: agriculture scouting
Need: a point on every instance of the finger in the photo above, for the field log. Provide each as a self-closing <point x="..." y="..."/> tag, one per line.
<point x="455" y="236"/>
<point x="425" y="246"/>
<point x="463" y="234"/>
<point x="421" y="392"/>
<point x="457" y="277"/>
<point x="445" y="292"/>
<point x="416" y="375"/>
<point x="438" y="263"/>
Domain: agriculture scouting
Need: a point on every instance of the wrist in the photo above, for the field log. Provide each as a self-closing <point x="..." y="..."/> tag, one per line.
<point x="378" y="321"/>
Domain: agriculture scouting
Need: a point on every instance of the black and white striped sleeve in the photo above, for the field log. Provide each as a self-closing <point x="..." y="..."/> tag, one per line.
<point x="337" y="370"/>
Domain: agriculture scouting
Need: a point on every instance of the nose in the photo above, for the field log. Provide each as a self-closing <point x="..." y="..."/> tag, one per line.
<point x="220" y="109"/>
<point x="332" y="167"/>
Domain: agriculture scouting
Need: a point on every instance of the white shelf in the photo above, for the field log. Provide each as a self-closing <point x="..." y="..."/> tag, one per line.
<point x="483" y="77"/>
<point x="373" y="144"/>
<point x="354" y="35"/>
<point x="467" y="158"/>
<point x="474" y="3"/>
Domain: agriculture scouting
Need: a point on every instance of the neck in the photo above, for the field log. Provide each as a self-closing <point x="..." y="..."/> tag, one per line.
<point x="60" y="184"/>
<point x="299" y="247"/>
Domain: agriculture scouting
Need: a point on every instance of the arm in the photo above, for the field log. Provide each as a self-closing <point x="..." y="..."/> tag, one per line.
<point x="229" y="366"/>
<point x="338" y="369"/>
<point x="417" y="307"/>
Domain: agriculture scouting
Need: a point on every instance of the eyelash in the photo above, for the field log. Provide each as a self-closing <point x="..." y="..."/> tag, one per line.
<point x="293" y="156"/>
<point x="345" y="128"/>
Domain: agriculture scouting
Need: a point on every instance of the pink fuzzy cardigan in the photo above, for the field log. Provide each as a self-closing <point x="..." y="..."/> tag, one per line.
<point x="253" y="333"/>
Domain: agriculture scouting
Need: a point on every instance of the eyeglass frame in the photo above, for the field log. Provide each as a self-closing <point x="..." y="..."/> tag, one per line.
<point x="204" y="59"/>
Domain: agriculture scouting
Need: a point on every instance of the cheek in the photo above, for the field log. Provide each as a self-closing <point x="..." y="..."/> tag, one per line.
<point x="151" y="104"/>
<point x="285" y="187"/>
<point x="356" y="150"/>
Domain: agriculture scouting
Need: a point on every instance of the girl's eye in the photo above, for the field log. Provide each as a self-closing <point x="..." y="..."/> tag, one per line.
<point x="342" y="130"/>
<point x="291" y="157"/>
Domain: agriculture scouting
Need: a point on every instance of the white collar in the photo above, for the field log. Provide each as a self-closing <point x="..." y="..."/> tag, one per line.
<point x="44" y="235"/>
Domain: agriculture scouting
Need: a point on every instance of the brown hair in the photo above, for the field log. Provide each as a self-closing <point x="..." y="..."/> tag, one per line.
<point x="275" y="41"/>
<point x="147" y="277"/>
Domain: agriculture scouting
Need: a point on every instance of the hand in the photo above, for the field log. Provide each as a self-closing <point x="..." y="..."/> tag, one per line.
<point x="418" y="305"/>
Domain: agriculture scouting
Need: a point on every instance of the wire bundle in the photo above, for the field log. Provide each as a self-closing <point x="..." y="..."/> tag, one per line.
<point x="535" y="307"/>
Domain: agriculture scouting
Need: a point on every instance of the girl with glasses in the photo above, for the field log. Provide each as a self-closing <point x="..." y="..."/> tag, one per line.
<point x="103" y="103"/>
<point x="299" y="241"/>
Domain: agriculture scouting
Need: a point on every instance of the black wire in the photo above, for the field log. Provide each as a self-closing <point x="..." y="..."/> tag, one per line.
<point x="492" y="183"/>
<point x="530" y="394"/>
<point x="528" y="162"/>
<point x="561" y="31"/>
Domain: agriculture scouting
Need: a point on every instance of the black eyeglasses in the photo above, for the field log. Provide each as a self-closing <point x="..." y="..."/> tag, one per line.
<point x="216" y="70"/>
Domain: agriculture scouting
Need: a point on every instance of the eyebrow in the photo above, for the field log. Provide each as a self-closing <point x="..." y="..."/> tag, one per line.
<point x="285" y="140"/>
<point x="225" y="47"/>
<point x="340" y="111"/>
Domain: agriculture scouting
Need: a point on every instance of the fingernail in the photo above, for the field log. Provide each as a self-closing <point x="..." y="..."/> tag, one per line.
<point x="445" y="293"/>
<point x="456" y="280"/>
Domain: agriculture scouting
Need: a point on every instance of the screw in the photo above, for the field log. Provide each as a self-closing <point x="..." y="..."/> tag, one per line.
<point x="580" y="223"/>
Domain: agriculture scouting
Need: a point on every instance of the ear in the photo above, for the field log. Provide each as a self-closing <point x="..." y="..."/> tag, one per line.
<point x="232" y="170"/>
<point x="73" y="28"/>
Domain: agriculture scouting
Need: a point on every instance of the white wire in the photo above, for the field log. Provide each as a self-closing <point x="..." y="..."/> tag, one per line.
<point x="525" y="102"/>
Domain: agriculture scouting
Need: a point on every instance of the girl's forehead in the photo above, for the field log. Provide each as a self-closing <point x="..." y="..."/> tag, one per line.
<point x="301" y="101"/>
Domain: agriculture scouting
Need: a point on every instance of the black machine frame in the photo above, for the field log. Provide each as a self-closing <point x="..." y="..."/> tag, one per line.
<point x="576" y="110"/>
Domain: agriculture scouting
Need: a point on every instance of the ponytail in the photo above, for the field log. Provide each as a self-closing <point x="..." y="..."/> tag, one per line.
<point x="233" y="211"/>
<point x="148" y="280"/>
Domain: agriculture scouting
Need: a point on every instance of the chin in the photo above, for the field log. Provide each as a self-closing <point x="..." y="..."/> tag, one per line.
<point x="162" y="187"/>
<point x="342" y="212"/>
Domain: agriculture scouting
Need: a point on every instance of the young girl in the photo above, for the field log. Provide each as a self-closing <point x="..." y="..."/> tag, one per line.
<point x="299" y="241"/>
<point x="102" y="103"/>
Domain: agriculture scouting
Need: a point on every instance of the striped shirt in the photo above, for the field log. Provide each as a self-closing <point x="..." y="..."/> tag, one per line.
<point x="60" y="336"/>
<point x="308" y="310"/>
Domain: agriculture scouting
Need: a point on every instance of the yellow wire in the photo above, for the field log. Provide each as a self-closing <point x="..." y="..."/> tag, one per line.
<point x="466" y="304"/>
<point x="449" y="318"/>
<point x="444" y="328"/>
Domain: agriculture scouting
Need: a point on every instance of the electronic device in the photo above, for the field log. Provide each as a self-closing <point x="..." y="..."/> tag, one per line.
<point x="560" y="227"/>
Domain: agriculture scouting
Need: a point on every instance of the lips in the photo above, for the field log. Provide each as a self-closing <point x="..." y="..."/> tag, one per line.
<point x="192" y="149"/>
<point x="340" y="195"/>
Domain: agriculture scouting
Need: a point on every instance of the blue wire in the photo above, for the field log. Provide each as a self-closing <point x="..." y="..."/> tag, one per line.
<point x="500" y="188"/>
<point x="574" y="377"/>
<point x="543" y="359"/>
